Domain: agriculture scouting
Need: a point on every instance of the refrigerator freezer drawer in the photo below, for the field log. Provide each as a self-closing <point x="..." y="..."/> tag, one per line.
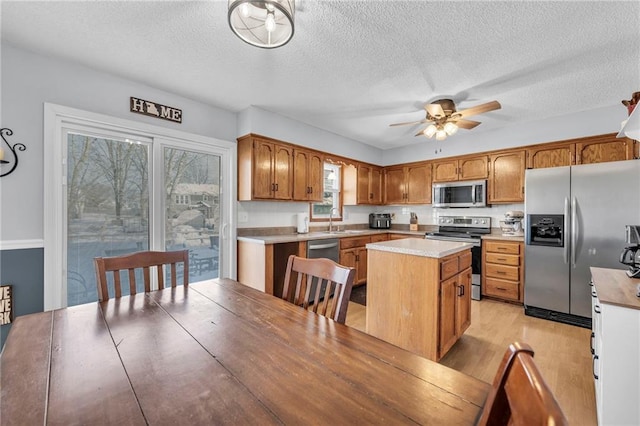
<point x="503" y="272"/>
<point x="504" y="259"/>
<point x="501" y="288"/>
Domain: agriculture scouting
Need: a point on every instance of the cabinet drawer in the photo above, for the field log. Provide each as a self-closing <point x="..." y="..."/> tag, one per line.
<point x="379" y="237"/>
<point x="503" y="259"/>
<point x="448" y="267"/>
<point x="346" y="243"/>
<point x="464" y="261"/>
<point x="502" y="247"/>
<point x="503" y="272"/>
<point x="501" y="288"/>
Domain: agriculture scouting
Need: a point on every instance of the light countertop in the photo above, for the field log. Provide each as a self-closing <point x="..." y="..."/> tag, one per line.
<point x="290" y="238"/>
<point x="420" y="247"/>
<point x="614" y="287"/>
<point x="496" y="234"/>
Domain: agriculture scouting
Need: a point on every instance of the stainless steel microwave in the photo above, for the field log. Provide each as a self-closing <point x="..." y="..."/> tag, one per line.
<point x="471" y="193"/>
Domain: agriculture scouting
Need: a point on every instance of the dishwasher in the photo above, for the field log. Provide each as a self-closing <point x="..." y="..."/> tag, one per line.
<point x="329" y="249"/>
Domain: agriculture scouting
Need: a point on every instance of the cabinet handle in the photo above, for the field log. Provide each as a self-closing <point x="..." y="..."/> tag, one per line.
<point x="501" y="248"/>
<point x="357" y="258"/>
<point x="595" y="357"/>
<point x="596" y="309"/>
<point x="371" y="195"/>
<point x="593" y="336"/>
<point x="501" y="272"/>
<point x="501" y="259"/>
<point x="273" y="187"/>
<point x="501" y="288"/>
<point x="461" y="292"/>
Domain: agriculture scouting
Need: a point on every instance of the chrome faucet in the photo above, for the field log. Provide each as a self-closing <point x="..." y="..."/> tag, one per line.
<point x="331" y="219"/>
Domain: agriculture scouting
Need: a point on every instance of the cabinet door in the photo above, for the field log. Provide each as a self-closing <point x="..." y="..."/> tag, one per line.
<point x="418" y="184"/>
<point x="447" y="326"/>
<point x="300" y="173"/>
<point x="263" y="160"/>
<point x="463" y="308"/>
<point x="473" y="168"/>
<point x="315" y="177"/>
<point x="445" y="171"/>
<point x="558" y="156"/>
<point x="362" y="191"/>
<point x="601" y="152"/>
<point x="394" y="186"/>
<point x="361" y="270"/>
<point x="375" y="186"/>
<point x="283" y="172"/>
<point x="348" y="258"/>
<point x="506" y="180"/>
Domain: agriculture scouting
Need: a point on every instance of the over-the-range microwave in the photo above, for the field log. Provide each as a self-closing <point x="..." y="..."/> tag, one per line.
<point x="471" y="193"/>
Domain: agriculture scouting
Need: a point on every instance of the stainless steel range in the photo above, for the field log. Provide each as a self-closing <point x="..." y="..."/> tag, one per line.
<point x="468" y="229"/>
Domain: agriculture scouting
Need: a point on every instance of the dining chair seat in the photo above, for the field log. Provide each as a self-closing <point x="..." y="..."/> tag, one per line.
<point x="320" y="285"/>
<point x="520" y="396"/>
<point x="144" y="261"/>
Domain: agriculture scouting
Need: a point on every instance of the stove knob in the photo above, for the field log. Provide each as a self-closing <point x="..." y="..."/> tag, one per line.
<point x="475" y="221"/>
<point x="484" y="221"/>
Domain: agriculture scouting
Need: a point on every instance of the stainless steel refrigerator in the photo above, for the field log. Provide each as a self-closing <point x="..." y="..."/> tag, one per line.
<point x="575" y="219"/>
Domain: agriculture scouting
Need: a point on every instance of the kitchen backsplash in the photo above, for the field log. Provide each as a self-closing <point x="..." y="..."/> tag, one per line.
<point x="259" y="214"/>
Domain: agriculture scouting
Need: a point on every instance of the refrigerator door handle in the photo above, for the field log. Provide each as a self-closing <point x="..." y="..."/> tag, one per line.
<point x="566" y="226"/>
<point x="574" y="231"/>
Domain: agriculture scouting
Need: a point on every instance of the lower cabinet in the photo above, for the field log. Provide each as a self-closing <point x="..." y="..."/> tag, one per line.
<point x="503" y="270"/>
<point x="455" y="305"/>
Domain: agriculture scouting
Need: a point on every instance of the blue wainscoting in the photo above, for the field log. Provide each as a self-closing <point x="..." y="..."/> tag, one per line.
<point x="24" y="269"/>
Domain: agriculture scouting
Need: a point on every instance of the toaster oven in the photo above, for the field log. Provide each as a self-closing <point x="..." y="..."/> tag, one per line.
<point x="379" y="220"/>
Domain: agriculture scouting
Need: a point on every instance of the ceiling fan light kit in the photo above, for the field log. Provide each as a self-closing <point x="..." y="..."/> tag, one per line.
<point x="266" y="23"/>
<point x="445" y="120"/>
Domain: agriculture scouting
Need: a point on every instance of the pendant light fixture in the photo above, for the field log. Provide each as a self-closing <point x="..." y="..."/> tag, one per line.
<point x="265" y="23"/>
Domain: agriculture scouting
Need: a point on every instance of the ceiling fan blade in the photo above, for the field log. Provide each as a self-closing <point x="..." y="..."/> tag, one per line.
<point x="479" y="109"/>
<point x="408" y="122"/>
<point x="420" y="133"/>
<point x="467" y="124"/>
<point x="434" y="110"/>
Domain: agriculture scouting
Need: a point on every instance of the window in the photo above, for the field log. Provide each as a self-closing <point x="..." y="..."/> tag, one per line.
<point x="331" y="198"/>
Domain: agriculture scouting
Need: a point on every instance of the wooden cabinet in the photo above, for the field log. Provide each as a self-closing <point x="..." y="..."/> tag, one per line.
<point x="455" y="309"/>
<point x="369" y="185"/>
<point x="465" y="168"/>
<point x="353" y="253"/>
<point x="408" y="184"/>
<point x="506" y="177"/>
<point x="503" y="270"/>
<point x="551" y="155"/>
<point x="601" y="150"/>
<point x="265" y="169"/>
<point x="308" y="173"/>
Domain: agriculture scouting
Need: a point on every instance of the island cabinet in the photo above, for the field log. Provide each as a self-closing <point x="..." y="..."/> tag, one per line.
<point x="465" y="168"/>
<point x="418" y="294"/>
<point x="265" y="169"/>
<point x="308" y="172"/>
<point x="506" y="177"/>
<point x="615" y="346"/>
<point x="408" y="184"/>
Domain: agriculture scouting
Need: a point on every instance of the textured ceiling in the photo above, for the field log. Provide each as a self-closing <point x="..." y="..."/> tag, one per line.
<point x="354" y="67"/>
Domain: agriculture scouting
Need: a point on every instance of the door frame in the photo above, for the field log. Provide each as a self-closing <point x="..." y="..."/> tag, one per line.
<point x="58" y="117"/>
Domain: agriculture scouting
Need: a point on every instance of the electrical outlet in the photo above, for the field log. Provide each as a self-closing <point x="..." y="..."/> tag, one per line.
<point x="243" y="217"/>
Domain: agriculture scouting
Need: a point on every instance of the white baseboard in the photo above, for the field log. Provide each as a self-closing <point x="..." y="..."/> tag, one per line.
<point x="21" y="244"/>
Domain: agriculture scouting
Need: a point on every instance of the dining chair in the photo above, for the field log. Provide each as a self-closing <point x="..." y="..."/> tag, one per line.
<point x="520" y="396"/>
<point x="320" y="285"/>
<point x="144" y="260"/>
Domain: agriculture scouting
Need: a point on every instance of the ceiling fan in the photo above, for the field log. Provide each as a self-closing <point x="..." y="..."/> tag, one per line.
<point x="445" y="120"/>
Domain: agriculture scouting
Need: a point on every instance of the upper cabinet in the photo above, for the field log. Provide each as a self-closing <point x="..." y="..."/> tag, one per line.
<point x="464" y="168"/>
<point x="506" y="177"/>
<point x="551" y="155"/>
<point x="307" y="175"/>
<point x="408" y="184"/>
<point x="369" y="184"/>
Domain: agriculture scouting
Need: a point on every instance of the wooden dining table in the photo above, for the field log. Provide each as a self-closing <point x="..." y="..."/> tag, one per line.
<point x="218" y="352"/>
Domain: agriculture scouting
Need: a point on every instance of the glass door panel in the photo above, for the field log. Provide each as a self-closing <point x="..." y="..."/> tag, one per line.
<point x="192" y="205"/>
<point x="107" y="207"/>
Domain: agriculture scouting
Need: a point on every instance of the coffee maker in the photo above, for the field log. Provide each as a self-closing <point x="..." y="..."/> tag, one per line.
<point x="631" y="254"/>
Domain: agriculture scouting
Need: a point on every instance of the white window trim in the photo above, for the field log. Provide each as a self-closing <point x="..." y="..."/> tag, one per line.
<point x="57" y="117"/>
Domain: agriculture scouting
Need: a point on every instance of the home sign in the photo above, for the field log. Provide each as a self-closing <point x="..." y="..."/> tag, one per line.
<point x="6" y="305"/>
<point x="155" y="109"/>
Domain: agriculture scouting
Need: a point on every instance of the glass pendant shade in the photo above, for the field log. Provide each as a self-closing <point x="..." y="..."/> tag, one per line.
<point x="430" y="131"/>
<point x="267" y="23"/>
<point x="441" y="135"/>
<point x="450" y="128"/>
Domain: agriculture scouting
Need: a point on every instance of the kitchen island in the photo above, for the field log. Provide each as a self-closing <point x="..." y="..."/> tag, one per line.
<point x="419" y="294"/>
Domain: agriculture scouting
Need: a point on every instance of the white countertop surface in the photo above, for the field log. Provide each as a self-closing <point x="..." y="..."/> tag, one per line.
<point x="288" y="238"/>
<point x="420" y="247"/>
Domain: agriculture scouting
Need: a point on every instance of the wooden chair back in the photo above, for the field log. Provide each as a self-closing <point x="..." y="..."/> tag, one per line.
<point x="316" y="280"/>
<point x="144" y="260"/>
<point x="520" y="395"/>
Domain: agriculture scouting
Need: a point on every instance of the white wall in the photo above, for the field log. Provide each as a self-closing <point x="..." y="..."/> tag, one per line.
<point x="29" y="80"/>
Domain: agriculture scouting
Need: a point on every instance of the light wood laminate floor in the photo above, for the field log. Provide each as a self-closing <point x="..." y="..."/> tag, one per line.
<point x="561" y="352"/>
